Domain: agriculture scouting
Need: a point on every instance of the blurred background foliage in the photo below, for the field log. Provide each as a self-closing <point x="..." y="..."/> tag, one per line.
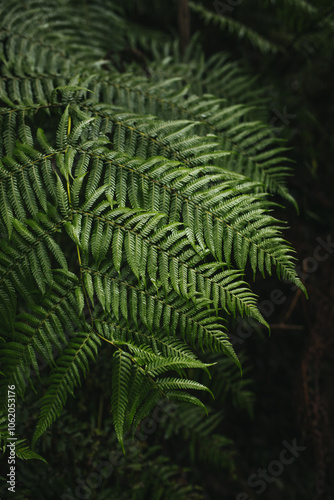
<point x="286" y="49"/>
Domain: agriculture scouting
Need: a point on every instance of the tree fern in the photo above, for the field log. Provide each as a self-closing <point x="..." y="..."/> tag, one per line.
<point x="130" y="208"/>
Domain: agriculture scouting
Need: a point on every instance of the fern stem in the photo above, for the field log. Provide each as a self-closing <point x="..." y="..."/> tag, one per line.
<point x="79" y="257"/>
<point x="69" y="126"/>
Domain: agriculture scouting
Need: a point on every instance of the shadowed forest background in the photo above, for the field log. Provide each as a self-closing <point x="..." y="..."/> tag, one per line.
<point x="284" y="51"/>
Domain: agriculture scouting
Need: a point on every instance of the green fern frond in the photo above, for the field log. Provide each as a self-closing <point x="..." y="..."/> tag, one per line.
<point x="39" y="331"/>
<point x="131" y="208"/>
<point x="25" y="453"/>
<point x="234" y="27"/>
<point x="22" y="450"/>
<point x="120" y="386"/>
<point x="252" y="157"/>
<point x="66" y="375"/>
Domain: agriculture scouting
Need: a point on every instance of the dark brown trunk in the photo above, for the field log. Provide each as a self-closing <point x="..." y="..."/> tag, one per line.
<point x="184" y="24"/>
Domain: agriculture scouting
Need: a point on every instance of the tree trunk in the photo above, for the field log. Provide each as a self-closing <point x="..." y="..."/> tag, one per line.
<point x="184" y="24"/>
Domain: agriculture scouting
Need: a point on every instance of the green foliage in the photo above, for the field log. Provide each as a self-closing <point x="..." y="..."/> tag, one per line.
<point x="269" y="27"/>
<point x="131" y="209"/>
<point x="178" y="442"/>
<point x="232" y="26"/>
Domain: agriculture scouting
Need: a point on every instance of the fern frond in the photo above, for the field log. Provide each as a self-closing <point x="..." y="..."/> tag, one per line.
<point x="120" y="385"/>
<point x="73" y="363"/>
<point x="37" y="333"/>
<point x="238" y="217"/>
<point x="234" y="27"/>
<point x="252" y="157"/>
<point x="25" y="453"/>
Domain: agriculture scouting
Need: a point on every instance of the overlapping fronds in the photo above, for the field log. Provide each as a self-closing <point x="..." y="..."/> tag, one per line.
<point x="130" y="210"/>
<point x="257" y="154"/>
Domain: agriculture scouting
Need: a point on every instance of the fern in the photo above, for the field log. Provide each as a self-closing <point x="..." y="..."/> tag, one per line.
<point x="233" y="26"/>
<point x="131" y="210"/>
